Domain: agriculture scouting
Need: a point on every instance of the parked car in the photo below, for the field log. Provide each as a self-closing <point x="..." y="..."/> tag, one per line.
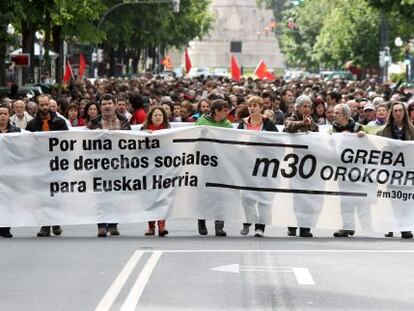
<point x="221" y="72"/>
<point x="30" y="90"/>
<point x="343" y="75"/>
<point x="198" y="72"/>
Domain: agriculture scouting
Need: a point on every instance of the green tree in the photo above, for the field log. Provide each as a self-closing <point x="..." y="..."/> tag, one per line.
<point x="297" y="43"/>
<point x="152" y="28"/>
<point x="9" y="14"/>
<point x="349" y="32"/>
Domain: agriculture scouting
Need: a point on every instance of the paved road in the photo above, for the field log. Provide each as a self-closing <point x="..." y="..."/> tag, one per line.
<point x="187" y="272"/>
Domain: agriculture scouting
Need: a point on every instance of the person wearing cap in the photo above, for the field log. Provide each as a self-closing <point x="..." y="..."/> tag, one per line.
<point x="369" y="112"/>
<point x="301" y="122"/>
<point x="381" y="118"/>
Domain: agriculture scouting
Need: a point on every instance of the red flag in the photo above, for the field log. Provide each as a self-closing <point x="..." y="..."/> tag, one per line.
<point x="187" y="61"/>
<point x="82" y="66"/>
<point x="235" y="69"/>
<point x="262" y="72"/>
<point x="68" y="72"/>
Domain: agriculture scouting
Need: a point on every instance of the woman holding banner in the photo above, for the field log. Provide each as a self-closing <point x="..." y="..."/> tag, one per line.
<point x="256" y="122"/>
<point x="157" y="119"/>
<point x="301" y="122"/>
<point x="6" y="127"/>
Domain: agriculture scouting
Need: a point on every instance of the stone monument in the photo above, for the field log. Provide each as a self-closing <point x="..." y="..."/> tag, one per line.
<point x="240" y="29"/>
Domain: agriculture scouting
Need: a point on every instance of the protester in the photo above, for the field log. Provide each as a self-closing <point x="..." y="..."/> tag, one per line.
<point x="109" y="120"/>
<point x="123" y="106"/>
<point x="44" y="121"/>
<point x="157" y="119"/>
<point x="216" y="117"/>
<point x="139" y="105"/>
<point x="399" y="127"/>
<point x="31" y="108"/>
<point x="186" y="112"/>
<point x="319" y="111"/>
<point x="92" y="110"/>
<point x="301" y="122"/>
<point x="6" y="127"/>
<point x="410" y="109"/>
<point x="344" y="123"/>
<point x="381" y="118"/>
<point x="72" y="114"/>
<point x="256" y="122"/>
<point x="21" y="117"/>
<point x="203" y="106"/>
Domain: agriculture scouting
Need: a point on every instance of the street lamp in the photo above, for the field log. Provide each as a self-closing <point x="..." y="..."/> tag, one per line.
<point x="40" y="36"/>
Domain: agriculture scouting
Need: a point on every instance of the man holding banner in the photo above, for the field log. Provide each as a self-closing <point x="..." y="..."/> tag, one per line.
<point x="44" y="121"/>
<point x="399" y="127"/>
<point x="344" y="123"/>
<point x="109" y="120"/>
<point x="217" y="117"/>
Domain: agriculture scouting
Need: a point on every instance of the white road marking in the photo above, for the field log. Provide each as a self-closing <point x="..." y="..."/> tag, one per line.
<point x="135" y="293"/>
<point x="113" y="292"/>
<point x="302" y="275"/>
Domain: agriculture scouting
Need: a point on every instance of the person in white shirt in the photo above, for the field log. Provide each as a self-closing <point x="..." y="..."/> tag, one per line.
<point x="20" y="117"/>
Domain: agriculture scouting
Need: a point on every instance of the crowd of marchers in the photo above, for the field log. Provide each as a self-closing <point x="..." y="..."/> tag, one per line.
<point x="360" y="107"/>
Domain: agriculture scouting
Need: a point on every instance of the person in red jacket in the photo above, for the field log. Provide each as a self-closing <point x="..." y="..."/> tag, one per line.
<point x="140" y="105"/>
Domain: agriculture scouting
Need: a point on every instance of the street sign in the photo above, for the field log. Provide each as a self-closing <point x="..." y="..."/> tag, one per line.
<point x="21" y="60"/>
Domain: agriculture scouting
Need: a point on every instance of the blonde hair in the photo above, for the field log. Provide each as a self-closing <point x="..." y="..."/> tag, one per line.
<point x="255" y="100"/>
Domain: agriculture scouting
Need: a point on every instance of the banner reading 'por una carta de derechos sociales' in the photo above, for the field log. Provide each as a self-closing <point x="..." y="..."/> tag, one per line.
<point x="311" y="180"/>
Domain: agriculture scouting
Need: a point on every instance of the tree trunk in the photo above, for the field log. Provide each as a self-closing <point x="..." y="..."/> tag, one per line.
<point x="47" y="44"/>
<point x="112" y="62"/>
<point x="3" y="51"/>
<point x="58" y="48"/>
<point x="28" y="36"/>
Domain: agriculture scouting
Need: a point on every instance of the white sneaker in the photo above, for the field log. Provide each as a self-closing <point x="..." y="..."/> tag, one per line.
<point x="258" y="233"/>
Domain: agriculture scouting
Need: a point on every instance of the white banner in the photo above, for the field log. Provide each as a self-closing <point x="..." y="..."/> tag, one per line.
<point x="311" y="180"/>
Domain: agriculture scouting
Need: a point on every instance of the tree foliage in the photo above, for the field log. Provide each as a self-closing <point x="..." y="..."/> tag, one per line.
<point x="330" y="33"/>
